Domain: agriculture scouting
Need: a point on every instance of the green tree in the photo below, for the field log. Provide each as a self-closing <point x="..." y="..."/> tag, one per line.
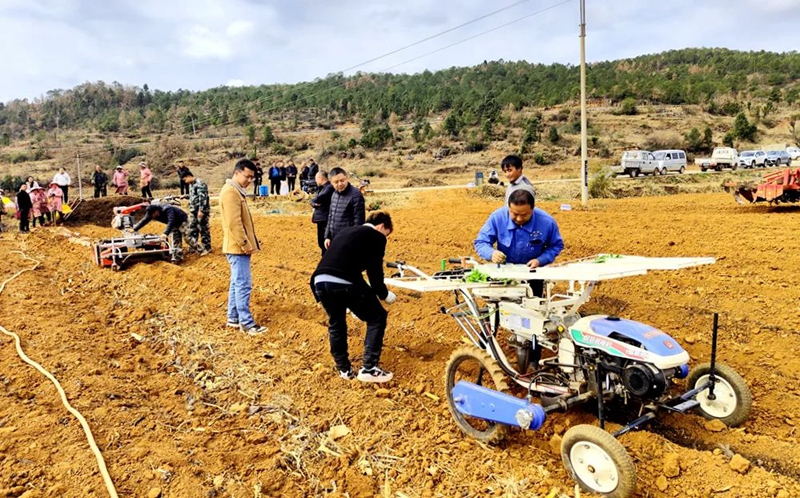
<point x="792" y="96"/>
<point x="628" y="107"/>
<point x="267" y="137"/>
<point x="251" y="134"/>
<point x="377" y="137"/>
<point x="533" y="130"/>
<point x="743" y="129"/>
<point x="728" y="140"/>
<point x="553" y="135"/>
<point x="416" y="133"/>
<point x="5" y="139"/>
<point x="452" y="124"/>
<point x="708" y="138"/>
<point x="693" y="141"/>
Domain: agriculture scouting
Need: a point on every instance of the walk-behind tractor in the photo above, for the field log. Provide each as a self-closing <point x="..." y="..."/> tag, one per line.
<point x="564" y="359"/>
<point x="130" y="246"/>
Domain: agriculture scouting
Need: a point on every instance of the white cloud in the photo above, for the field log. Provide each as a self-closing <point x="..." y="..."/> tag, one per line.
<point x="235" y="83"/>
<point x="240" y="28"/>
<point x="198" y="44"/>
<point x="201" y="43"/>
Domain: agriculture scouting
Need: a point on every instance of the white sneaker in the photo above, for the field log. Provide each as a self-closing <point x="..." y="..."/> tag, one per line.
<point x="255" y="330"/>
<point x="374" y="374"/>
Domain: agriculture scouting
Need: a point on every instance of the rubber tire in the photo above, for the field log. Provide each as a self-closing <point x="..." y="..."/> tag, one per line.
<point x="703" y="169"/>
<point x="682" y="170"/>
<point x="633" y="173"/>
<point x="753" y="165"/>
<point x="745" y="399"/>
<point x="734" y="166"/>
<point x="626" y="486"/>
<point x="496" y="432"/>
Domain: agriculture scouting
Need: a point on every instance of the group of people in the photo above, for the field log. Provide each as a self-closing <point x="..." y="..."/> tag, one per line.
<point x="281" y="171"/>
<point x="119" y="180"/>
<point x="352" y="243"/>
<point x="35" y="203"/>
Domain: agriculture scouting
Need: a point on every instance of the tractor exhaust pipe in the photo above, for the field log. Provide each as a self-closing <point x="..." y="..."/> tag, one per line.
<point x="480" y="402"/>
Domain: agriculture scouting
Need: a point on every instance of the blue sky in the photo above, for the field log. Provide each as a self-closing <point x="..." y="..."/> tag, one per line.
<point x="199" y="44"/>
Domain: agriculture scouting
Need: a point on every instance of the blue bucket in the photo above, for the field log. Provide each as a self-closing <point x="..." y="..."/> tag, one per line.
<point x="263" y="190"/>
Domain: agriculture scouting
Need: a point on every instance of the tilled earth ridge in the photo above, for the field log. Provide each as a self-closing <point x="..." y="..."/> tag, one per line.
<point x="189" y="407"/>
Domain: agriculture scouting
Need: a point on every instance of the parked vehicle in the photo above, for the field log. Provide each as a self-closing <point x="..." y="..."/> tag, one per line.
<point x="753" y="158"/>
<point x="794" y="152"/>
<point x="778" y="157"/>
<point x="636" y="162"/>
<point x="722" y="157"/>
<point x="670" y="160"/>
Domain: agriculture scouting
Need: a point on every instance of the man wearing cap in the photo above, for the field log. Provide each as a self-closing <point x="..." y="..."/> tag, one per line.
<point x="120" y="180"/>
<point x="145" y="178"/>
<point x="523" y="234"/>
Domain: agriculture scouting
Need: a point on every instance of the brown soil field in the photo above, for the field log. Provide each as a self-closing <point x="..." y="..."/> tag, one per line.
<point x="196" y="410"/>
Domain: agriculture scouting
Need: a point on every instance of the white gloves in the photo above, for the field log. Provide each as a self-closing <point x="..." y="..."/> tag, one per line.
<point x="390" y="298"/>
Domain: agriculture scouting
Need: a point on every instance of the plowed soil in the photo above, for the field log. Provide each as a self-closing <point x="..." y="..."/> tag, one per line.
<point x="181" y="405"/>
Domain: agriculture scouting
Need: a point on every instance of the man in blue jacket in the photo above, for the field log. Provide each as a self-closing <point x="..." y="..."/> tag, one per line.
<point x="523" y="234"/>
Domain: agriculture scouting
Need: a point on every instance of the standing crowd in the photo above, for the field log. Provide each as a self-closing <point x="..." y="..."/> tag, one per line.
<point x="350" y="242"/>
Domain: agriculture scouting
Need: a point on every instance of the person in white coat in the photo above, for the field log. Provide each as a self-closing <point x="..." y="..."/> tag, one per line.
<point x="63" y="180"/>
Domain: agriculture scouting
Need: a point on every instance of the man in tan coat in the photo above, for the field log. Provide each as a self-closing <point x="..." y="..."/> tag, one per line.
<point x="239" y="242"/>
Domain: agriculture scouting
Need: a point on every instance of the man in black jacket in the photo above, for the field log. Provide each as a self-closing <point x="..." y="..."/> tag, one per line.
<point x="177" y="227"/>
<point x="100" y="182"/>
<point x="347" y="206"/>
<point x="321" y="204"/>
<point x="24" y="206"/>
<point x="338" y="284"/>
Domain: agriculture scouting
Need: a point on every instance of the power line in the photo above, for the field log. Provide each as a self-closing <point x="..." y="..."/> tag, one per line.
<point x="483" y="33"/>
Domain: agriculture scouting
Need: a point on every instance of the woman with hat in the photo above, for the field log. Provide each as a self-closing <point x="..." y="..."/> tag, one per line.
<point x="145" y="177"/>
<point x="39" y="201"/>
<point x="120" y="181"/>
<point x="55" y="200"/>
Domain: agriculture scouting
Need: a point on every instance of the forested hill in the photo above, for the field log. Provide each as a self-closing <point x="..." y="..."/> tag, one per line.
<point x="688" y="76"/>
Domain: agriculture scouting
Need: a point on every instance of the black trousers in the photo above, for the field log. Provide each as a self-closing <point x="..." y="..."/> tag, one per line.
<point x="24" y="221"/>
<point x="275" y="186"/>
<point x="100" y="191"/>
<point x="65" y="189"/>
<point x="290" y="181"/>
<point x="184" y="187"/>
<point x="337" y="299"/>
<point x="146" y="193"/>
<point x="321" y="226"/>
<point x="256" y="184"/>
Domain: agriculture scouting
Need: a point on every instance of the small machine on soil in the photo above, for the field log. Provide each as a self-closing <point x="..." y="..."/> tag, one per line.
<point x="776" y="187"/>
<point x="564" y="359"/>
<point x="130" y="246"/>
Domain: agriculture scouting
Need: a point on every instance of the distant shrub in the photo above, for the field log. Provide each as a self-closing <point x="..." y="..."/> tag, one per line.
<point x="600" y="184"/>
<point x="541" y="159"/>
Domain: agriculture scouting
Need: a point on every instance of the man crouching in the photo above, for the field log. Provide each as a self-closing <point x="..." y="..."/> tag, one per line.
<point x="338" y="284"/>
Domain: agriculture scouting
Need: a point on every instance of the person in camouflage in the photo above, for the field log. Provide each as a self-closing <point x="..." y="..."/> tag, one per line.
<point x="199" y="213"/>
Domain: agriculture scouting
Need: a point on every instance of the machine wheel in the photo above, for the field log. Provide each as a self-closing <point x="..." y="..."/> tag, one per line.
<point x="703" y="169"/>
<point x="733" y="399"/>
<point x="682" y="170"/>
<point x="598" y="462"/>
<point x="475" y="365"/>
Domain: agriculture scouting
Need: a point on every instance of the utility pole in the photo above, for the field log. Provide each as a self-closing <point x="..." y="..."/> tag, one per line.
<point x="80" y="182"/>
<point x="584" y="131"/>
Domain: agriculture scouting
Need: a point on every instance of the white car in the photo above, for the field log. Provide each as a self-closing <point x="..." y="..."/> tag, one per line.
<point x="794" y="152"/>
<point x="753" y="159"/>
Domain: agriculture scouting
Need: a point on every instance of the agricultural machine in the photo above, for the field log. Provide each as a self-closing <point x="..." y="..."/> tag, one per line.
<point x="564" y="359"/>
<point x="130" y="246"/>
<point x="775" y="187"/>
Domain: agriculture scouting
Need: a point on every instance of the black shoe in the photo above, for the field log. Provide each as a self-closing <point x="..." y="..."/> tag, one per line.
<point x="349" y="374"/>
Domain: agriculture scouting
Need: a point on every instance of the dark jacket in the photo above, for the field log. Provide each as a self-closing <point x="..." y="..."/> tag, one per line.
<point x="183" y="171"/>
<point x="313" y="169"/>
<point x="346" y="210"/>
<point x="172" y="216"/>
<point x="259" y="174"/>
<point x="99" y="179"/>
<point x="322" y="203"/>
<point x="274" y="173"/>
<point x="304" y="174"/>
<point x="353" y="251"/>
<point x="24" y="200"/>
<point x="291" y="171"/>
<point x="283" y="173"/>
